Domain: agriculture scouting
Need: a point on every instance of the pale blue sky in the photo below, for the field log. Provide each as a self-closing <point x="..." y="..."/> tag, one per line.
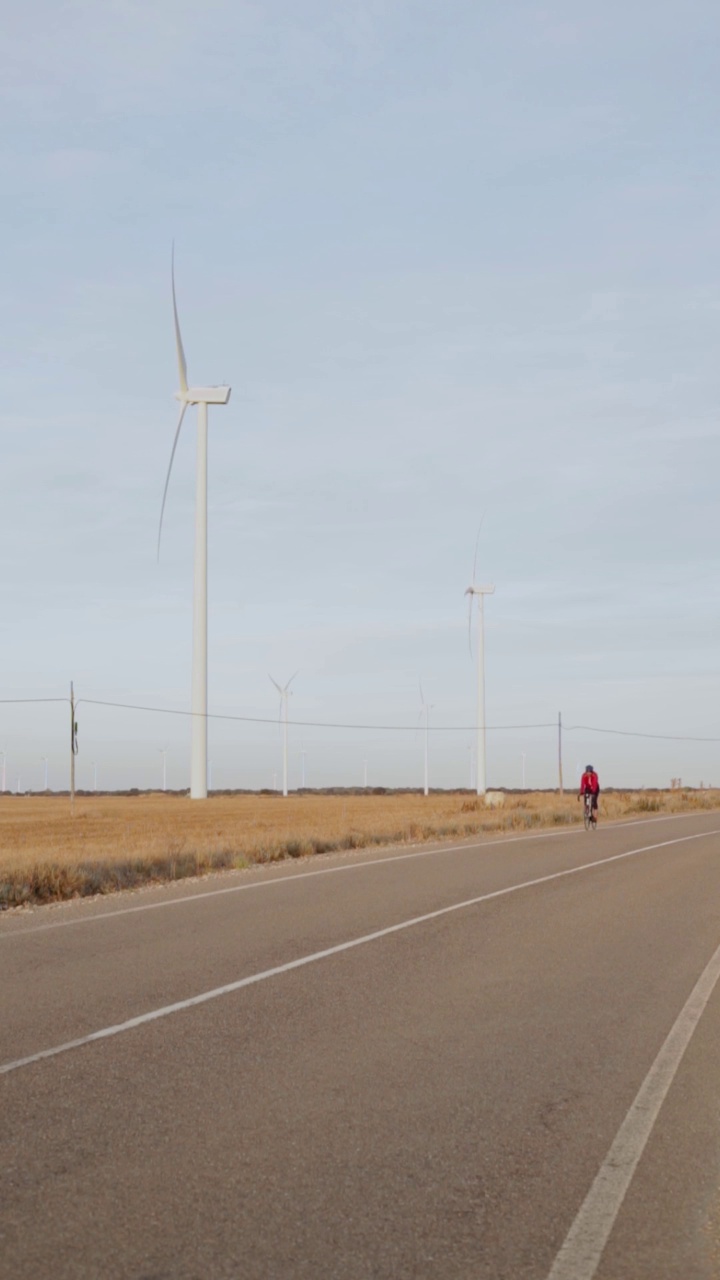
<point x="452" y="258"/>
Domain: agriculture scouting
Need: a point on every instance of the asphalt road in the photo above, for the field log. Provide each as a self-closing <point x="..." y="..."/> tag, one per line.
<point x="494" y="1060"/>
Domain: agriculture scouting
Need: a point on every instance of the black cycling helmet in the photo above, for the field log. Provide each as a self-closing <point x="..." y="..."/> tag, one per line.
<point x="589" y="768"/>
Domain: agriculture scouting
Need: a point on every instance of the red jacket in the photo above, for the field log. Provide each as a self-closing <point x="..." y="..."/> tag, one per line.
<point x="590" y="782"/>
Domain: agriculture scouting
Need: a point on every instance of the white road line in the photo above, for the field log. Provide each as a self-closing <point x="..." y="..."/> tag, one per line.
<point x="580" y="1255"/>
<point x="322" y="871"/>
<point x="154" y="1014"/>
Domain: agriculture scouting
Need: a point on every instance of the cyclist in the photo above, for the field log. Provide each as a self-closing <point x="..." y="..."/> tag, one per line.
<point x="590" y="785"/>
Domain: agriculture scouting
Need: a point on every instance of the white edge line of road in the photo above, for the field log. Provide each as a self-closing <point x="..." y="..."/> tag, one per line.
<point x="205" y="996"/>
<point x="585" y="1242"/>
<point x="320" y="871"/>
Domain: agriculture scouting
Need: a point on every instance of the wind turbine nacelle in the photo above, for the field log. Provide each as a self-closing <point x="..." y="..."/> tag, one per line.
<point x="205" y="395"/>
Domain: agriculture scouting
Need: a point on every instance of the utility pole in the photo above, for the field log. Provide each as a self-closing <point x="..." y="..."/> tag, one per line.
<point x="73" y="746"/>
<point x="560" y="777"/>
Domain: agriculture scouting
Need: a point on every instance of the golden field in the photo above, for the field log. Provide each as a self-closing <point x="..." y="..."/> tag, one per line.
<point x="113" y="842"/>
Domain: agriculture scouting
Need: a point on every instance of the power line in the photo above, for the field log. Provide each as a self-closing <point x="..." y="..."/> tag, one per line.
<point x="631" y="733"/>
<point x="16" y="700"/>
<point x="384" y="728"/>
<point x="305" y="724"/>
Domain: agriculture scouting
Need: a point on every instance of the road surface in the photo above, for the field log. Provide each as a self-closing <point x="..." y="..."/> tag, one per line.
<point x="490" y="1061"/>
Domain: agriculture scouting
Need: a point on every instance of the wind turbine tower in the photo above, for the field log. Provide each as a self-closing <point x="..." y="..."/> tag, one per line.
<point x="163" y="752"/>
<point x="284" y="691"/>
<point x="425" y="715"/>
<point x="202" y="397"/>
<point x="479" y="592"/>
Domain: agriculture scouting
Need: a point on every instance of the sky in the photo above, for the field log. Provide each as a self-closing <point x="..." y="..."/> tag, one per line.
<point x="459" y="263"/>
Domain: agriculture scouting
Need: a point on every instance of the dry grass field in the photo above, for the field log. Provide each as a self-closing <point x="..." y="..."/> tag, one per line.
<point x="114" y="842"/>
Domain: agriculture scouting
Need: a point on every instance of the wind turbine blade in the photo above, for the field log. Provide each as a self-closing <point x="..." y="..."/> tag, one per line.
<point x="422" y="699"/>
<point x="277" y="686"/>
<point x="182" y="363"/>
<point x="477" y="542"/>
<point x="287" y="686"/>
<point x="167" y="480"/>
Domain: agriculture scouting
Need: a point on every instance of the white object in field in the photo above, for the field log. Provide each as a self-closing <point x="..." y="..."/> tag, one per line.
<point x="495" y="799"/>
<point x="479" y="592"/>
<point x="202" y="397"/>
<point x="284" y="691"/>
<point x="163" y="752"/>
<point x="45" y="762"/>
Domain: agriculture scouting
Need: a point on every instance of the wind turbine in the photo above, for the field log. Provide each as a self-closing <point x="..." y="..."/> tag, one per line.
<point x="284" y="691"/>
<point x="45" y="762"/>
<point x="479" y="592"/>
<point x="425" y="714"/>
<point x="202" y="397"/>
<point x="163" y="752"/>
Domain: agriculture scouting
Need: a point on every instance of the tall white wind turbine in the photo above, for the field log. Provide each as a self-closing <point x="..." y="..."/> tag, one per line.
<point x="202" y="397"/>
<point x="284" y="691"/>
<point x="425" y="716"/>
<point x="163" y="752"/>
<point x="479" y="592"/>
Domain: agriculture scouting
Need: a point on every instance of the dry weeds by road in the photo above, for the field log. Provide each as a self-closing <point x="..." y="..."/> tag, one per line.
<point x="115" y="842"/>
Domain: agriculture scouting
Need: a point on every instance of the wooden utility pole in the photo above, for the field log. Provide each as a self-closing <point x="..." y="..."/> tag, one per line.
<point x="73" y="746"/>
<point x="560" y="751"/>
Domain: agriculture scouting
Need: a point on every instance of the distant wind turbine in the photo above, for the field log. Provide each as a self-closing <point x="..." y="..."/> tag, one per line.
<point x="479" y="592"/>
<point x="45" y="762"/>
<point x="425" y="715"/>
<point x="202" y="397"/>
<point x="163" y="752"/>
<point x="284" y="691"/>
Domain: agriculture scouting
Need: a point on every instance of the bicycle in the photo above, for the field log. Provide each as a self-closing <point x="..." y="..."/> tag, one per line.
<point x="589" y="814"/>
